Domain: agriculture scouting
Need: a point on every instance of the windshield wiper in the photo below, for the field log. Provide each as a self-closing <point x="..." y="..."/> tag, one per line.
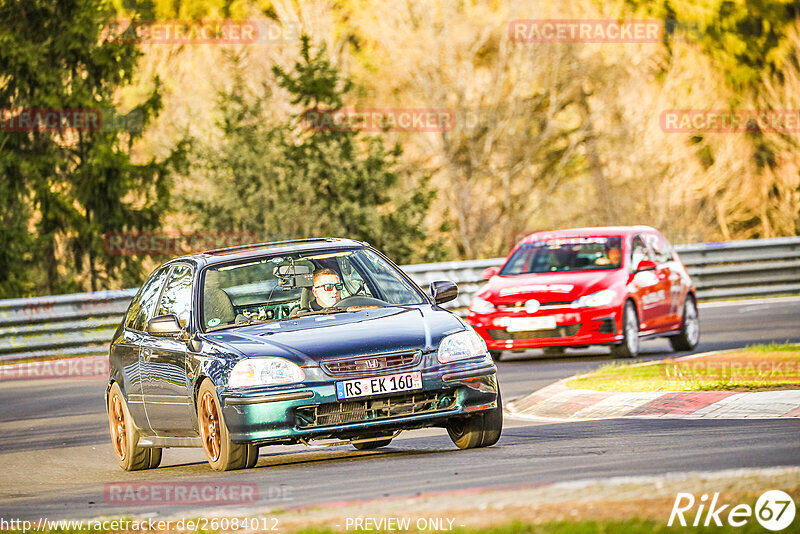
<point x="246" y="322"/>
<point x="328" y="311"/>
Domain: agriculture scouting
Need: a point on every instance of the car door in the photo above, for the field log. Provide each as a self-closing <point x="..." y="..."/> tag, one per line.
<point x="127" y="352"/>
<point x="165" y="385"/>
<point x="644" y="284"/>
<point x="670" y="283"/>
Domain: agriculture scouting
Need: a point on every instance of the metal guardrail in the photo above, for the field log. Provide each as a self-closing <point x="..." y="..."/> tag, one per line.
<point x="42" y="327"/>
<point x="84" y="323"/>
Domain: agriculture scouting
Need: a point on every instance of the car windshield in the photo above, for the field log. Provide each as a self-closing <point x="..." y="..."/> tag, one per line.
<point x="276" y="287"/>
<point x="565" y="254"/>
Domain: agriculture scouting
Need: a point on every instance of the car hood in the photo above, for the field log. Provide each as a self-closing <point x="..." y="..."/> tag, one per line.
<point x="549" y="287"/>
<point x="308" y="340"/>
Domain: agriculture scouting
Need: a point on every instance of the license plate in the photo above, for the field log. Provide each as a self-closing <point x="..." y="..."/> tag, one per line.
<point x="526" y="324"/>
<point x="377" y="385"/>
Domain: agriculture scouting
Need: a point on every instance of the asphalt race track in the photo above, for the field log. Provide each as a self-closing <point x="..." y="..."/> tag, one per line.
<point x="56" y="458"/>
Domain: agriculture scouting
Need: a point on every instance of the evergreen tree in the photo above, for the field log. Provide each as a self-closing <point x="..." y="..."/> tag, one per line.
<point x="63" y="189"/>
<point x="284" y="180"/>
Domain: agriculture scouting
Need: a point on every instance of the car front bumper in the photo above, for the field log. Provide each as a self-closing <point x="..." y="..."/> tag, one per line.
<point x="574" y="327"/>
<point x="311" y="410"/>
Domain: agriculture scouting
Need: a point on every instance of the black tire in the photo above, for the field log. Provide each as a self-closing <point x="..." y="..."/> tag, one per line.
<point x="554" y="351"/>
<point x="496" y="355"/>
<point x="690" y="327"/>
<point x="155" y="457"/>
<point x="222" y="454"/>
<point x="629" y="348"/>
<point x="252" y="457"/>
<point x="125" y="435"/>
<point x="369" y="445"/>
<point x="479" y="430"/>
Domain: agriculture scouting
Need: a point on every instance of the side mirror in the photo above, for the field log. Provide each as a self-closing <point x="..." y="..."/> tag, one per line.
<point x="165" y="326"/>
<point x="443" y="291"/>
<point x="646" y="265"/>
<point x="490" y="272"/>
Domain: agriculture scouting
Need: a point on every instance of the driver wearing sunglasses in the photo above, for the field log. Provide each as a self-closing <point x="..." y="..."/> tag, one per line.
<point x="327" y="289"/>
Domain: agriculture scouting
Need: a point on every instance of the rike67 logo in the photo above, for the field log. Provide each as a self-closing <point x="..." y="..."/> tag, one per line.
<point x="774" y="510"/>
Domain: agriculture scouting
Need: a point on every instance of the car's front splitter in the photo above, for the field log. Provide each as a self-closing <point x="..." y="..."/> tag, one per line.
<point x="314" y="412"/>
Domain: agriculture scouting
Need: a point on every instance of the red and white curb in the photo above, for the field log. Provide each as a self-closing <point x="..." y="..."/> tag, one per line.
<point x="560" y="402"/>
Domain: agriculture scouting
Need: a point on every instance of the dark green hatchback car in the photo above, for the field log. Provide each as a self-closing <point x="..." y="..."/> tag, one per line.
<point x="319" y="340"/>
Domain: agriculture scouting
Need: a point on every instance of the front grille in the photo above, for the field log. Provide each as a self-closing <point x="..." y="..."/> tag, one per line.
<point x="560" y="331"/>
<point x="372" y="364"/>
<point x="339" y="413"/>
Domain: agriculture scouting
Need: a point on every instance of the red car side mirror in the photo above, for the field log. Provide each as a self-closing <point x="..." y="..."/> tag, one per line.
<point x="646" y="265"/>
<point x="490" y="272"/>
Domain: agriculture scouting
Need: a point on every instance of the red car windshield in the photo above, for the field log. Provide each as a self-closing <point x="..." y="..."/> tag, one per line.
<point x="565" y="254"/>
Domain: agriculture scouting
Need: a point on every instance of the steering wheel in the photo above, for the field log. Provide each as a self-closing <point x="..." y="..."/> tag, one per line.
<point x="359" y="300"/>
<point x="362" y="286"/>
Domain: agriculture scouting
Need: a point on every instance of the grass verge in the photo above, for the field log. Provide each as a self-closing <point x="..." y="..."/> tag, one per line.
<point x="755" y="368"/>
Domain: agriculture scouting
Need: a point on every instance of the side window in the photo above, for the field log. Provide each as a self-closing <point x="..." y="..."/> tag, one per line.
<point x="177" y="296"/>
<point x="661" y="248"/>
<point x="639" y="251"/>
<point x="145" y="301"/>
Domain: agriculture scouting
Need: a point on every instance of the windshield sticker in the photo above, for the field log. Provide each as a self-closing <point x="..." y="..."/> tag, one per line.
<point x="214" y="322"/>
<point x="555" y="288"/>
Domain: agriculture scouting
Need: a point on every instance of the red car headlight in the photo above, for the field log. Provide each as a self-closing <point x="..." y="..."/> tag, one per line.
<point x="595" y="300"/>
<point x="479" y="305"/>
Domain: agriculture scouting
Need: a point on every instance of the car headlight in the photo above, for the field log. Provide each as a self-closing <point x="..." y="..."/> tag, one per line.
<point x="479" y="305"/>
<point x="461" y="346"/>
<point x="264" y="372"/>
<point x="593" y="300"/>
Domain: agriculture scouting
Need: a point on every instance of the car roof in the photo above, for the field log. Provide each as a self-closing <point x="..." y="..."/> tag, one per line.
<point x="220" y="255"/>
<point x="595" y="231"/>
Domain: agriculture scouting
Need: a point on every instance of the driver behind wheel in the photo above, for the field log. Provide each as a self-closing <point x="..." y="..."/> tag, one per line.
<point x="327" y="289"/>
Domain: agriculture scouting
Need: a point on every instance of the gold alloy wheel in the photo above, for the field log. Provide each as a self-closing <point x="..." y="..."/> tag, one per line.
<point x="209" y="427"/>
<point x="116" y="419"/>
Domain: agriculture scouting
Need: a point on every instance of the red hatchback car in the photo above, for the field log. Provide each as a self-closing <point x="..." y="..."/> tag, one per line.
<point x="587" y="286"/>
